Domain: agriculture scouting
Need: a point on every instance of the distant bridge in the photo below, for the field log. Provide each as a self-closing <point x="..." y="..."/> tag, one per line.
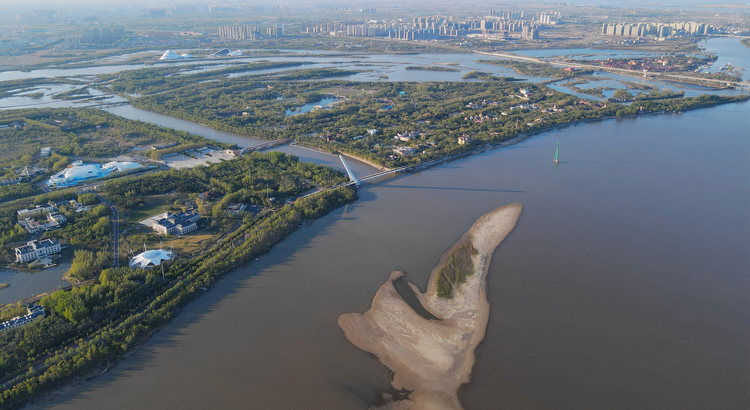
<point x="107" y="105"/>
<point x="319" y="151"/>
<point x="654" y="75"/>
<point x="268" y="144"/>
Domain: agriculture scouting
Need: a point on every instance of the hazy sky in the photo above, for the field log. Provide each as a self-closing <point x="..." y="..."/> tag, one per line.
<point x="26" y="6"/>
<point x="166" y="3"/>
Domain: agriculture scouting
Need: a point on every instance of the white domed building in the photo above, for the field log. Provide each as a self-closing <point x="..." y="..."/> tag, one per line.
<point x="151" y="258"/>
<point x="75" y="174"/>
<point x="79" y="172"/>
<point x="169" y="55"/>
<point x="119" y="166"/>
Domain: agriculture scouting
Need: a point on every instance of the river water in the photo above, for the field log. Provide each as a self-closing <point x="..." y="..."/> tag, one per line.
<point x="623" y="286"/>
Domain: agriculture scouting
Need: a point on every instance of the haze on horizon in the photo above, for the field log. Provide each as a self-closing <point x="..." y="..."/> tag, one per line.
<point x="14" y="4"/>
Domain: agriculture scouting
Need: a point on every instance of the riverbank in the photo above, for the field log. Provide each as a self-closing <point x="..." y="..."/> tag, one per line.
<point x="185" y="281"/>
<point x="433" y="359"/>
<point x="653" y="76"/>
<point x="524" y="136"/>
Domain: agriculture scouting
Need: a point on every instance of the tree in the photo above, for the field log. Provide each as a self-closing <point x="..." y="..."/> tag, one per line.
<point x="88" y="199"/>
<point x="67" y="304"/>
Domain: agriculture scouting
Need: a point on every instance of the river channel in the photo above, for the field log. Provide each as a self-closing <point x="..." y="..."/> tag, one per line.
<point x="623" y="286"/>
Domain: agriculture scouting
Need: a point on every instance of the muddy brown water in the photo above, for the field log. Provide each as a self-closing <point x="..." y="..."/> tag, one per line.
<point x="623" y="286"/>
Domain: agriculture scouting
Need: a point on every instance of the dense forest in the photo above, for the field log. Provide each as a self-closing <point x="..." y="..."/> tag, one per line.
<point x="536" y="69"/>
<point x="82" y="132"/>
<point x="253" y="178"/>
<point x="150" y="80"/>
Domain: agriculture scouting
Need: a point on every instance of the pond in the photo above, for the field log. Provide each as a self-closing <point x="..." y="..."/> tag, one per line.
<point x="24" y="284"/>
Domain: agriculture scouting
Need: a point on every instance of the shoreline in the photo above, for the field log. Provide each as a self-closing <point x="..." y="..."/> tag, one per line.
<point x="434" y="359"/>
<point x="524" y="136"/>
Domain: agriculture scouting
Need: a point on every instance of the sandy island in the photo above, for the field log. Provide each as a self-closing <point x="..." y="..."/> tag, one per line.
<point x="432" y="358"/>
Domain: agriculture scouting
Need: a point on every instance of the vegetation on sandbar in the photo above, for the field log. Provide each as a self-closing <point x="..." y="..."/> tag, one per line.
<point x="432" y="68"/>
<point x="536" y="69"/>
<point x="457" y="268"/>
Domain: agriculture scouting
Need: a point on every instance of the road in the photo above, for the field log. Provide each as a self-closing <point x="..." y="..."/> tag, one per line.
<point x="115" y="231"/>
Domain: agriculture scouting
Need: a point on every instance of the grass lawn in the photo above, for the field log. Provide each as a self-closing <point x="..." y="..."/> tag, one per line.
<point x="190" y="243"/>
<point x="193" y="242"/>
<point x="140" y="214"/>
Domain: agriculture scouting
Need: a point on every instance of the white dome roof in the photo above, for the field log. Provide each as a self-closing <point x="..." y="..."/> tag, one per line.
<point x="82" y="172"/>
<point x="153" y="257"/>
<point x="169" y="55"/>
<point x="120" y="166"/>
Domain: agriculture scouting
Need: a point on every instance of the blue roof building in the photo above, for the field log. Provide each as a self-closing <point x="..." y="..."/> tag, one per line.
<point x="33" y="313"/>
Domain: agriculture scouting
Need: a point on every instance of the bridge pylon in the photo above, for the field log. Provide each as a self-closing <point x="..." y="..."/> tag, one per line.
<point x="352" y="178"/>
<point x="557" y="154"/>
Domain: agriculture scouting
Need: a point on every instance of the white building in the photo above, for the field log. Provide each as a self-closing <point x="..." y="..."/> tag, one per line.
<point x="463" y="140"/>
<point x="37" y="249"/>
<point x="171" y="55"/>
<point x="79" y="172"/>
<point x="405" y="150"/>
<point x="406" y="136"/>
<point x="176" y="224"/>
<point x="149" y="259"/>
<point x="32" y="314"/>
<point x="35" y="211"/>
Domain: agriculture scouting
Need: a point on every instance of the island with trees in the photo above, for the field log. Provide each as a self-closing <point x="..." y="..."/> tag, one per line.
<point x="415" y="123"/>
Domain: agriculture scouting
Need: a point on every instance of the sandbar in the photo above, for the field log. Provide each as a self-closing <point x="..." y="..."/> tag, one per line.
<point x="431" y="359"/>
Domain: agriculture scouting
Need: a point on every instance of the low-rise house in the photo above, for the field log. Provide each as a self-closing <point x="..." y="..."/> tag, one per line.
<point x="405" y="150"/>
<point x="37" y="249"/>
<point x="463" y="140"/>
<point x="56" y="218"/>
<point x="176" y="224"/>
<point x="36" y="211"/>
<point x="237" y="208"/>
<point x="372" y="131"/>
<point x="31" y="226"/>
<point x="164" y="145"/>
<point x="406" y="136"/>
<point x="13" y="181"/>
<point x="32" y="313"/>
